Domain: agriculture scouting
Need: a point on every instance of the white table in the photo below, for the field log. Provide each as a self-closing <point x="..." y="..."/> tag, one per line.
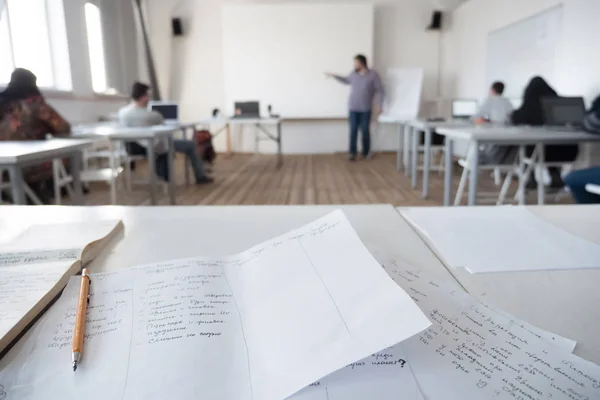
<point x="150" y="135"/>
<point x="563" y="302"/>
<point x="15" y="155"/>
<point x="504" y="135"/>
<point x="413" y="130"/>
<point x="261" y="124"/>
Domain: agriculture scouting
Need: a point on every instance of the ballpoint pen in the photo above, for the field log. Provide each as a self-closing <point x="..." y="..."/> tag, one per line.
<point x="79" y="331"/>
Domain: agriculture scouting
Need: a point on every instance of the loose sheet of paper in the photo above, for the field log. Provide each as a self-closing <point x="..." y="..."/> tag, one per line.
<point x="477" y="238"/>
<point x="473" y="352"/>
<point x="384" y="375"/>
<point x="259" y="325"/>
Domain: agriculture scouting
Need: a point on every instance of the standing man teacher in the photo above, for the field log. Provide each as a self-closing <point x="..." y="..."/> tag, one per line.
<point x="365" y="90"/>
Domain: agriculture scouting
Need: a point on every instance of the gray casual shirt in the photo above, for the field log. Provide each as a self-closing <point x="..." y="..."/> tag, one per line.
<point x="496" y="109"/>
<point x="133" y="116"/>
<point x="364" y="89"/>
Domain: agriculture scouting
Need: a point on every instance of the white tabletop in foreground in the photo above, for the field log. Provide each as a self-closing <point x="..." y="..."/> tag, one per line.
<point x="157" y="234"/>
<point x="564" y="302"/>
<point x="27" y="151"/>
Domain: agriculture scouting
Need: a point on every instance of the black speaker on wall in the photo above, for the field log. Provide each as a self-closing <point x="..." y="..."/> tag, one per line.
<point x="177" y="26"/>
<point x="436" y="21"/>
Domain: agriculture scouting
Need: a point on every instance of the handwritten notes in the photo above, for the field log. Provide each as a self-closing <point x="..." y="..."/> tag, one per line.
<point x="471" y="351"/>
<point x="21" y="289"/>
<point x="262" y="324"/>
<point x="384" y="375"/>
<point x="36" y="264"/>
<point x="37" y="257"/>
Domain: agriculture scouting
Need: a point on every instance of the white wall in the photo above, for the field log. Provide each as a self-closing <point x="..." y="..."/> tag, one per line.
<point x="190" y="68"/>
<point x="464" y="45"/>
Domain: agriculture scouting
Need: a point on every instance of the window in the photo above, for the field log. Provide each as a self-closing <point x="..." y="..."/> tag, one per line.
<point x="26" y="42"/>
<point x="93" y="21"/>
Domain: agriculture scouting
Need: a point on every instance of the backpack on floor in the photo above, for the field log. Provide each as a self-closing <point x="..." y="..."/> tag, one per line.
<point x="204" y="145"/>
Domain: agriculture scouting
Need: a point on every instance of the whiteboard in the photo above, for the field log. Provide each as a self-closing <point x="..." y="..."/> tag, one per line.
<point x="278" y="53"/>
<point x="402" y="89"/>
<point x="523" y="50"/>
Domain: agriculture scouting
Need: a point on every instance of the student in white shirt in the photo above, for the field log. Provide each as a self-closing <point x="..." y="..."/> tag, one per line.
<point x="137" y="114"/>
<point x="496" y="109"/>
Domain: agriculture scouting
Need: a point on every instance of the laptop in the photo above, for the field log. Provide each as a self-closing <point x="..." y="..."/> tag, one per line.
<point x="464" y="109"/>
<point x="169" y="111"/>
<point x="246" y="109"/>
<point x="563" y="112"/>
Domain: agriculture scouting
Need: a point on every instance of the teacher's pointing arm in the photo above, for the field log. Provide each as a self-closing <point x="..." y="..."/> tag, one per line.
<point x="342" y="79"/>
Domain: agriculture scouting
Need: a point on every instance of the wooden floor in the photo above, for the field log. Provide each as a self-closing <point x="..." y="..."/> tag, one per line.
<point x="303" y="179"/>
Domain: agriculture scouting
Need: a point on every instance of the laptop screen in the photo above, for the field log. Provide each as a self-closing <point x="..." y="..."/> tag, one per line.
<point x="563" y="111"/>
<point x="247" y="109"/>
<point x="464" y="108"/>
<point x="168" y="111"/>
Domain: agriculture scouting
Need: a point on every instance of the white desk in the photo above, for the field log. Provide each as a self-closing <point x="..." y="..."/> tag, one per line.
<point x="413" y="130"/>
<point x="150" y="135"/>
<point x="261" y="124"/>
<point x="563" y="302"/>
<point x="504" y="135"/>
<point x="15" y="155"/>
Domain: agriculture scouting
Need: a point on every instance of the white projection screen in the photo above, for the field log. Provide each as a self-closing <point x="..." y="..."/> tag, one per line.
<point x="277" y="54"/>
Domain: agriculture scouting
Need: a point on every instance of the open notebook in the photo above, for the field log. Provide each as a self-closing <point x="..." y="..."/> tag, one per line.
<point x="37" y="264"/>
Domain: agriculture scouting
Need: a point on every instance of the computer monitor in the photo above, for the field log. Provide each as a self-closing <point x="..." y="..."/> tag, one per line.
<point x="247" y="109"/>
<point x="563" y="111"/>
<point x="463" y="109"/>
<point x="169" y="110"/>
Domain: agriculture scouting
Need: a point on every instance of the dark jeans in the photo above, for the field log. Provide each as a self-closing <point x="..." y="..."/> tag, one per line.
<point x="186" y="147"/>
<point x="360" y="120"/>
<point x="576" y="182"/>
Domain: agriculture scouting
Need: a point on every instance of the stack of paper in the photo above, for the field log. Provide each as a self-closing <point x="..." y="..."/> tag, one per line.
<point x="36" y="265"/>
<point x="262" y="324"/>
<point x="473" y="352"/>
<point x="475" y="237"/>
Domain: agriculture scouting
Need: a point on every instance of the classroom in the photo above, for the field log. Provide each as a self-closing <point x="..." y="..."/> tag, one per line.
<point x="299" y="199"/>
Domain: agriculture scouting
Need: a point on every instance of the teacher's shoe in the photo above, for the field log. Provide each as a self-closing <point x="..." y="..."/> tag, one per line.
<point x="351" y="157"/>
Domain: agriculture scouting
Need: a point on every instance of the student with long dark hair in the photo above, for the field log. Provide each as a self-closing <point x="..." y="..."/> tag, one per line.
<point x="531" y="113"/>
<point x="25" y="115"/>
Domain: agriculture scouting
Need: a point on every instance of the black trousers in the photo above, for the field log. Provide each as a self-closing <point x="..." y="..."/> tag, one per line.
<point x="161" y="162"/>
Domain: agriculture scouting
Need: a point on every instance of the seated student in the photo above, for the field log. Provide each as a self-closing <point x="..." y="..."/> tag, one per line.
<point x="531" y="113"/>
<point x="496" y="109"/>
<point x="577" y="180"/>
<point x="25" y="115"/>
<point x="137" y="114"/>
